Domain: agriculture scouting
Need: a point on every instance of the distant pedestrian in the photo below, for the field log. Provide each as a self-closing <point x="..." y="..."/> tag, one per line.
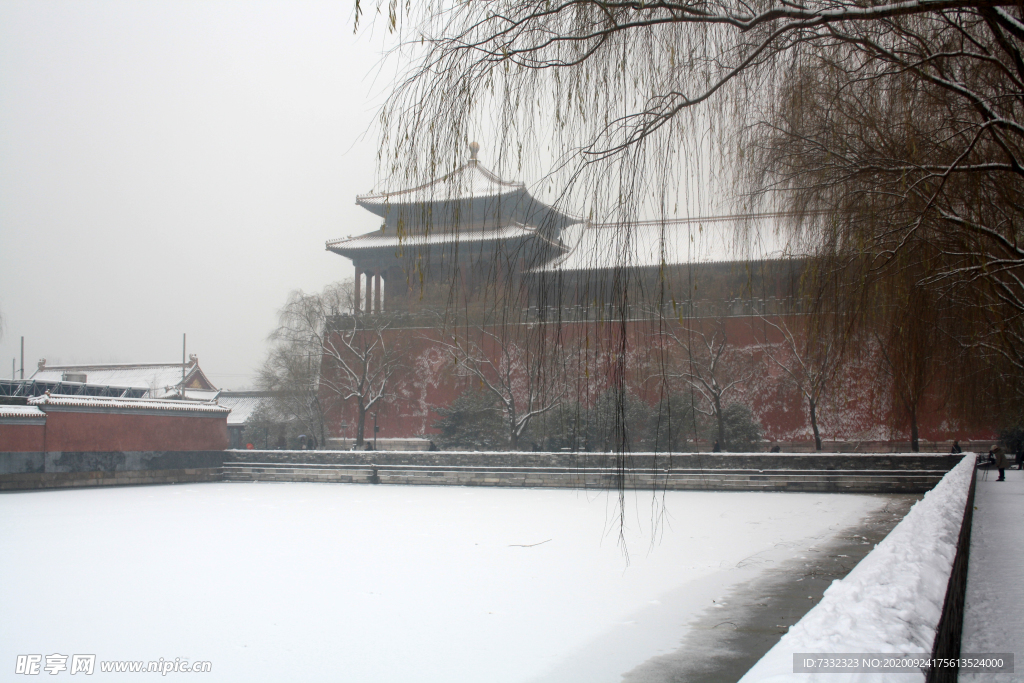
<point x="249" y="446"/>
<point x="1020" y="457"/>
<point x="775" y="449"/>
<point x="716" y="448"/>
<point x="1000" y="456"/>
<point x="302" y="442"/>
<point x="956" y="447"/>
<point x="282" y="443"/>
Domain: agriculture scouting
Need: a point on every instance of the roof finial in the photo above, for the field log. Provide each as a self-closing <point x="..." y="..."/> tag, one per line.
<point x="474" y="147"/>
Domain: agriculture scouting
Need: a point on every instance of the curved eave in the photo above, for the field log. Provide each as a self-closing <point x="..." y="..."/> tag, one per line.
<point x="375" y="242"/>
<point x="422" y="194"/>
<point x="557" y="269"/>
<point x="438" y="193"/>
<point x="382" y="204"/>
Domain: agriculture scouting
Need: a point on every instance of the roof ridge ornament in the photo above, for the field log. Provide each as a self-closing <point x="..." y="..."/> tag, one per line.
<point x="474" y="149"/>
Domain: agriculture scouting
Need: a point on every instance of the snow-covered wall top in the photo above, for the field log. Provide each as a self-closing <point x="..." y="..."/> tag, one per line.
<point x="22" y="412"/>
<point x="891" y="602"/>
<point x="103" y="403"/>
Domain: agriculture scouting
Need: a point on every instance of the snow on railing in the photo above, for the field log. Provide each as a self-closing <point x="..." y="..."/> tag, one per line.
<point x="893" y="599"/>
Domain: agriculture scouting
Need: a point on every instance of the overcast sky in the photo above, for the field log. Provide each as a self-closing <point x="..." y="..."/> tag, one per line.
<point x="170" y="167"/>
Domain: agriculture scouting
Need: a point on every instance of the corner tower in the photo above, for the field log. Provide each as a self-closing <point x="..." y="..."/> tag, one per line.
<point x="466" y="228"/>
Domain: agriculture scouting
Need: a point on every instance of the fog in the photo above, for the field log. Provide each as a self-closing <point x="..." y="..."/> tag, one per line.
<point x="170" y="168"/>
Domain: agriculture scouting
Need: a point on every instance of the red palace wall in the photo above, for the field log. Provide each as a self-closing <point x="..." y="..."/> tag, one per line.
<point x="858" y="406"/>
<point x="93" y="431"/>
<point x="20" y="438"/>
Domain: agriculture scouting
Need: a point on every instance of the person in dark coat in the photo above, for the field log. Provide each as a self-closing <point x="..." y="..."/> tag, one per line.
<point x="1020" y="457"/>
<point x="956" y="447"/>
<point x="716" y="448"/>
<point x="1000" y="456"/>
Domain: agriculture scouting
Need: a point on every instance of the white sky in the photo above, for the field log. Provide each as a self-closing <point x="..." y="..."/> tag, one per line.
<point x="170" y="167"/>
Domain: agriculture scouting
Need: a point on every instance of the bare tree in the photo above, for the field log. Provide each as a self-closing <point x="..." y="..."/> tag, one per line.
<point x="320" y="359"/>
<point x="515" y="371"/>
<point x="291" y="373"/>
<point x="810" y="360"/>
<point x="709" y="367"/>
<point x="361" y="357"/>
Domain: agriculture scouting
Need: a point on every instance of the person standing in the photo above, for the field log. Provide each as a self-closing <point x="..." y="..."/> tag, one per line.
<point x="1020" y="457"/>
<point x="1000" y="456"/>
<point x="956" y="447"/>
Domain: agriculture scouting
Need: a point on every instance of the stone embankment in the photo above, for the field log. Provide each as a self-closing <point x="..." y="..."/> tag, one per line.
<point x="828" y="472"/>
<point x="873" y="473"/>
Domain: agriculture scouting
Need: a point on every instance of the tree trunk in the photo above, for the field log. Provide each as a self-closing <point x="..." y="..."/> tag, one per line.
<point x="915" y="444"/>
<point x="513" y="438"/>
<point x="814" y="424"/>
<point x="721" y="422"/>
<point x="360" y="425"/>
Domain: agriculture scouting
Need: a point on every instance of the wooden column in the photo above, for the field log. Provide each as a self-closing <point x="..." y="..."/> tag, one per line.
<point x="359" y="276"/>
<point x="376" y="290"/>
<point x="369" y="292"/>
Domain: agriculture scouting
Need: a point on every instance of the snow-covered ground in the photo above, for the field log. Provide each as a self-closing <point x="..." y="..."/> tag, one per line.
<point x="891" y="601"/>
<point x="994" y="611"/>
<point x="311" y="582"/>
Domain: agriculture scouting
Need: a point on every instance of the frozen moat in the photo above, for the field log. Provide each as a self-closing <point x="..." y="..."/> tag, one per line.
<point x="314" y="582"/>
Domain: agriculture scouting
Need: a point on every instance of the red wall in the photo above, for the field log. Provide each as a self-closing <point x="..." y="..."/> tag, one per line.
<point x="71" y="431"/>
<point x="859" y="405"/>
<point x="15" y="438"/>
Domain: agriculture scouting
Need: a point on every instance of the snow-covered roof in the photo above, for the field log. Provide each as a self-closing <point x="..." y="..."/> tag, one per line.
<point x="469" y="198"/>
<point x="156" y="377"/>
<point x="190" y="394"/>
<point x="674" y="242"/>
<point x="102" y="403"/>
<point x="243" y="405"/>
<point x="21" y="412"/>
<point x="469" y="181"/>
<point x="379" y="240"/>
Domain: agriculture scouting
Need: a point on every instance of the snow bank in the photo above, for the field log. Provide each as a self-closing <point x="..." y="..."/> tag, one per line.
<point x="891" y="602"/>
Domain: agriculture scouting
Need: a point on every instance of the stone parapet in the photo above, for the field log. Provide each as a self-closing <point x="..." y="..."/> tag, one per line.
<point x="875" y="473"/>
<point x="632" y="461"/>
<point x="810" y="480"/>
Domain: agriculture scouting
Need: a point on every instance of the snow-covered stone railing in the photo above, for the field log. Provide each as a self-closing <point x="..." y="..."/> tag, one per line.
<point x="900" y="599"/>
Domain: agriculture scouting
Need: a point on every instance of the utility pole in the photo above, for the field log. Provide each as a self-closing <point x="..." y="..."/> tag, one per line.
<point x="183" y="339"/>
<point x="23" y="358"/>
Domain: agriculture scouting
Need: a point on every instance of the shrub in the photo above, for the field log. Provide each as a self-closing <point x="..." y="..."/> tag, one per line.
<point x="472" y="422"/>
<point x="742" y="431"/>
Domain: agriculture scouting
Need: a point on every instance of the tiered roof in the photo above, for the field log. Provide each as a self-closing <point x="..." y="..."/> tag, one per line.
<point x="469" y="181"/>
<point x="471" y="205"/>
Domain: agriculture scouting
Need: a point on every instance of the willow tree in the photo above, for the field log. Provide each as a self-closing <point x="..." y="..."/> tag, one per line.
<point x="873" y="125"/>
